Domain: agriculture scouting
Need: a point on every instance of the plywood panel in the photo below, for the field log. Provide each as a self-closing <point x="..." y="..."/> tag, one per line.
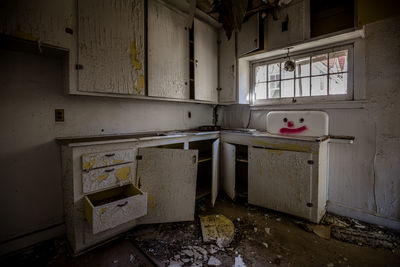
<point x="228" y="169"/>
<point x="227" y="68"/>
<point x="169" y="178"/>
<point x="215" y="171"/>
<point x="206" y="61"/>
<point x="280" y="180"/>
<point x="168" y="52"/>
<point x="111" y="46"/>
<point x="248" y="37"/>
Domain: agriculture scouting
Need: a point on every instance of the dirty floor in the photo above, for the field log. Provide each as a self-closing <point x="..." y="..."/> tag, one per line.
<point x="262" y="238"/>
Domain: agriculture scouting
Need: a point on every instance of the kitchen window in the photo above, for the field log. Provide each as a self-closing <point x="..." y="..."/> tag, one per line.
<point x="321" y="75"/>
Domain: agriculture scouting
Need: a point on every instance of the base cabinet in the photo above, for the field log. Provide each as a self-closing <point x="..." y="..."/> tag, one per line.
<point x="289" y="181"/>
<point x="110" y="188"/>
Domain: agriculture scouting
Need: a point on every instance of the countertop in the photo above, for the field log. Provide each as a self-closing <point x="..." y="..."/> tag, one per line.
<point x="142" y="136"/>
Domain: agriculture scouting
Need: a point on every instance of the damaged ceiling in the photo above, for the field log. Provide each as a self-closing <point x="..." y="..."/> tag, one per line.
<point x="232" y="13"/>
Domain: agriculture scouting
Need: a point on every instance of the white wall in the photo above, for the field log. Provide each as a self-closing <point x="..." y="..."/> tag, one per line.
<point x="31" y="87"/>
<point x="364" y="177"/>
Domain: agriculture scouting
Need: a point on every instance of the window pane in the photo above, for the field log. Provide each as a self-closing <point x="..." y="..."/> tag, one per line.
<point x="274" y="89"/>
<point x="303" y="67"/>
<point x="286" y="74"/>
<point x="261" y="73"/>
<point x="338" y="84"/>
<point x="287" y="88"/>
<point x="319" y="85"/>
<point x="273" y="72"/>
<point x="319" y="64"/>
<point x="338" y="61"/>
<point x="303" y="87"/>
<point x="261" y="90"/>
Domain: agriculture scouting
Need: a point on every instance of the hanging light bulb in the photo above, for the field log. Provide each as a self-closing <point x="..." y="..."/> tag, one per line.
<point x="289" y="64"/>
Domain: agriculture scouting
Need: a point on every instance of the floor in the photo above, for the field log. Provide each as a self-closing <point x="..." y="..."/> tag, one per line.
<point x="262" y="238"/>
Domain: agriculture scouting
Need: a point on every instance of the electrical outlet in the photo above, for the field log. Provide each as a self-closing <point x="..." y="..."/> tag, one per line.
<point x="59" y="115"/>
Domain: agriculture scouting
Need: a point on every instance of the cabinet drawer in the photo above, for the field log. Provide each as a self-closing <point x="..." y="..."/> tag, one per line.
<point x="110" y="208"/>
<point x="103" y="159"/>
<point x="106" y="177"/>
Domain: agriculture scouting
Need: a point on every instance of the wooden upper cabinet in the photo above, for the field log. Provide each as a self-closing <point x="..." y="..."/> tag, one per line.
<point x="168" y="52"/>
<point x="227" y="68"/>
<point x="205" y="61"/>
<point x="291" y="27"/>
<point x="111" y="48"/>
<point x="249" y="36"/>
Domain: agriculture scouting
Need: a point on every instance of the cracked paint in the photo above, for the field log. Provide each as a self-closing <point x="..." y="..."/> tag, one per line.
<point x="102" y="177"/>
<point x="140" y="84"/>
<point x="123" y="173"/>
<point x="88" y="165"/>
<point x="116" y="161"/>
<point x="137" y="64"/>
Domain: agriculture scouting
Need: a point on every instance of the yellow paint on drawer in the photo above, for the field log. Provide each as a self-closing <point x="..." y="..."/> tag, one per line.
<point x="137" y="64"/>
<point x="116" y="161"/>
<point x="102" y="210"/>
<point x="88" y="165"/>
<point x="102" y="177"/>
<point x="123" y="173"/>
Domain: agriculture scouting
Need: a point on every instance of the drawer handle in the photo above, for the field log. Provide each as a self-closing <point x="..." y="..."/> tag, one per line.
<point x="109" y="170"/>
<point x="110" y="155"/>
<point x="123" y="204"/>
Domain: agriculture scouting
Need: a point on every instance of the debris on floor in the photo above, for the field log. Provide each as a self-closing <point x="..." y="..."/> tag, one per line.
<point x="217" y="228"/>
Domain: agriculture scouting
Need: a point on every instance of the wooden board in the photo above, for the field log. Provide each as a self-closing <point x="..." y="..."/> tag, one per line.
<point x="229" y="169"/>
<point x="206" y="61"/>
<point x="169" y="178"/>
<point x="111" y="46"/>
<point x="215" y="171"/>
<point x="281" y="180"/>
<point x="168" y="52"/>
<point x="227" y="68"/>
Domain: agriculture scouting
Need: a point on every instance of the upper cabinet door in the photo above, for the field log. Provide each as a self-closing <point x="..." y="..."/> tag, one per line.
<point x="291" y="27"/>
<point x="249" y="36"/>
<point x="111" y="46"/>
<point x="227" y="68"/>
<point x="168" y="52"/>
<point x="169" y="178"/>
<point x="205" y="62"/>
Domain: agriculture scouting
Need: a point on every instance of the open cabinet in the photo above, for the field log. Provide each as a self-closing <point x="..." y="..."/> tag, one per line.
<point x="235" y="170"/>
<point x="208" y="168"/>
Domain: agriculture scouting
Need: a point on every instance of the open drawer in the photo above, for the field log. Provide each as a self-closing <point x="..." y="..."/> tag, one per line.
<point x="102" y="178"/>
<point x="110" y="208"/>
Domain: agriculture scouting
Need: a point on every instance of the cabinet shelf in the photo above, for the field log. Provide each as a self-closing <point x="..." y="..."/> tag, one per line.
<point x="242" y="160"/>
<point x="204" y="159"/>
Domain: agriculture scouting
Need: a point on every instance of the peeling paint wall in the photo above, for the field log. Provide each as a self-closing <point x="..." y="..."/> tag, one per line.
<point x="364" y="177"/>
<point x="31" y="87"/>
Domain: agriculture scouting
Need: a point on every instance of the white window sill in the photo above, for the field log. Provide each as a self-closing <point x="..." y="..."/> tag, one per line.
<point x="354" y="104"/>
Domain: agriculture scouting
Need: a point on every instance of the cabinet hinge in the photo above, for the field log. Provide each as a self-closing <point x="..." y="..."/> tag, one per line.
<point x="79" y="66"/>
<point x="311" y="162"/>
<point x="194" y="159"/>
<point x="139" y="157"/>
<point x="310" y="205"/>
<point x="218" y="88"/>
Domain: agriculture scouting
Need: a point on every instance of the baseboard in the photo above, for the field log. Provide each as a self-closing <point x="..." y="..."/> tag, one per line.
<point x="31" y="239"/>
<point x="363" y="215"/>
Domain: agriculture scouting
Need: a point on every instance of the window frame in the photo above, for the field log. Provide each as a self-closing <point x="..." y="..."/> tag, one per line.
<point x="349" y="96"/>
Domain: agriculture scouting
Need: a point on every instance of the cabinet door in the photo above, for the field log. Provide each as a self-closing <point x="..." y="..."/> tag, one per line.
<point x="229" y="169"/>
<point x="111" y="46"/>
<point x="280" y="180"/>
<point x="248" y="37"/>
<point x="169" y="178"/>
<point x="168" y="52"/>
<point x="295" y="17"/>
<point x="215" y="172"/>
<point x="227" y="68"/>
<point x="206" y="62"/>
